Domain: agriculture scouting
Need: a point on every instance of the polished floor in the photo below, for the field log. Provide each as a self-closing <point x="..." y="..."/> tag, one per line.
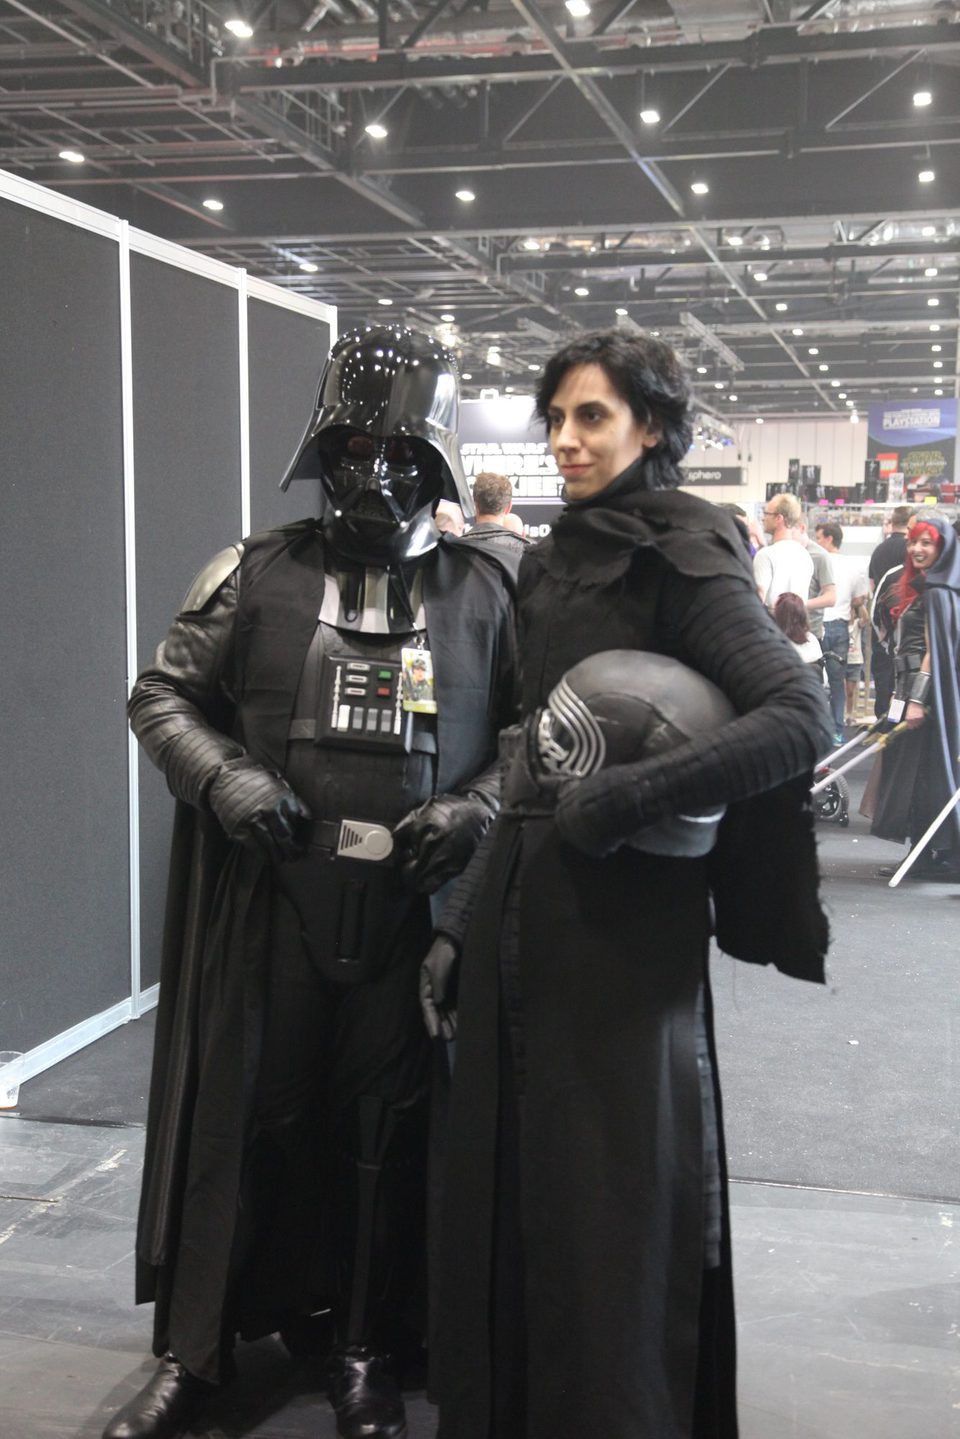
<point x="841" y="1115"/>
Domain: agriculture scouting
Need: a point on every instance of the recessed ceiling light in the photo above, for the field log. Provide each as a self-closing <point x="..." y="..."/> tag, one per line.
<point x="447" y="318"/>
<point x="797" y="330"/>
<point x="240" y="28"/>
<point x="850" y="404"/>
<point x="719" y="384"/>
<point x="581" y="290"/>
<point x="376" y="131"/>
<point x="309" y="267"/>
<point x="75" y="157"/>
<point x="733" y="397"/>
<point x="533" y="366"/>
<point x="936" y="349"/>
<point x="621" y="311"/>
<point x="926" y="176"/>
<point x="933" y="302"/>
<point x="701" y="369"/>
<point x="759" y="419"/>
<point x="650" y="117"/>
<point x="211" y="204"/>
<point x="931" y="272"/>
<point x="465" y="196"/>
<point x="933" y="328"/>
<point x="530" y="243"/>
<point x="735" y="240"/>
<point x="922" y="98"/>
<point x="700" y="187"/>
<point x="466" y="375"/>
<point x="508" y="389"/>
<point x="760" y="276"/>
<point x="823" y="369"/>
<point x="842" y="395"/>
<point x="928" y="231"/>
<point x="384" y="300"/>
<point x="781" y="305"/>
<point x="938" y="364"/>
<point x="835" y="384"/>
<point x="813" y="350"/>
<point x="579" y="9"/>
<point x="938" y="392"/>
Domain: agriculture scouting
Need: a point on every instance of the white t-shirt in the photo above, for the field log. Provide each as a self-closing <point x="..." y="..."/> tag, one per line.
<point x="850" y="578"/>
<point x="810" y="650"/>
<point x="782" y="568"/>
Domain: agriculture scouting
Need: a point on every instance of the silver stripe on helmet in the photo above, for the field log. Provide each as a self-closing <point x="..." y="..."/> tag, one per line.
<point x="588" y="747"/>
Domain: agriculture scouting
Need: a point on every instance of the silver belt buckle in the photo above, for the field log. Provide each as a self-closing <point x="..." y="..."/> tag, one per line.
<point x="360" y="840"/>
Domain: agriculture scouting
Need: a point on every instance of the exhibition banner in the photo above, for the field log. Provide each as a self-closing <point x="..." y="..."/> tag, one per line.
<point x="916" y="438"/>
<point x="505" y="436"/>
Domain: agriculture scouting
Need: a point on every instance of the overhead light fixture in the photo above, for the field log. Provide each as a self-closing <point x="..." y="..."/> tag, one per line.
<point x="936" y="349"/>
<point x="309" y="267"/>
<point x="719" y="384"/>
<point x="376" y="131"/>
<point x="922" y="98"/>
<point x="447" y="318"/>
<point x="240" y="28"/>
<point x="700" y="187"/>
<point x="933" y="302"/>
<point x="533" y="365"/>
<point x="797" y="330"/>
<point x="701" y="369"/>
<point x="926" y="177"/>
<point x="813" y="350"/>
<point x="854" y="418"/>
<point x="465" y="196"/>
<point x="650" y="117"/>
<point x="735" y="240"/>
<point x="823" y="369"/>
<point x="781" y="305"/>
<point x="835" y="384"/>
<point x="74" y="157"/>
<point x="581" y="290"/>
<point x="466" y="375"/>
<point x="931" y="272"/>
<point x="938" y="364"/>
<point x="759" y="420"/>
<point x="733" y="397"/>
<point x="933" y="328"/>
<point x="530" y="243"/>
<point x="928" y="231"/>
<point x="849" y="404"/>
<point x="938" y="392"/>
<point x="760" y="276"/>
<point x="842" y="395"/>
<point x="211" y="204"/>
<point x="494" y="356"/>
<point x="621" y="310"/>
<point x="384" y="300"/>
<point x="579" y="9"/>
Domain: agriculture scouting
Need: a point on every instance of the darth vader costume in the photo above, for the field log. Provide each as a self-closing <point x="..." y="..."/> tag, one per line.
<point x="325" y="710"/>
<point x="586" y="1275"/>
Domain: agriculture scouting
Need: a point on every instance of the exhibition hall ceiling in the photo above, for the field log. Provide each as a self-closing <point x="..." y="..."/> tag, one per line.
<point x="773" y="186"/>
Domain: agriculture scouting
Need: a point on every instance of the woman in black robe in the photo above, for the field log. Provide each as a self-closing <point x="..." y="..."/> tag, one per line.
<point x="584" y="1280"/>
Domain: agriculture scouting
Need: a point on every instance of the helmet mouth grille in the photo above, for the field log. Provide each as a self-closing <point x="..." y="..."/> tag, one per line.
<point x="569" y="738"/>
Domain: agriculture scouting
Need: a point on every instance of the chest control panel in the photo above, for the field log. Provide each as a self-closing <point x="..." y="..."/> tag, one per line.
<point x="361" y="704"/>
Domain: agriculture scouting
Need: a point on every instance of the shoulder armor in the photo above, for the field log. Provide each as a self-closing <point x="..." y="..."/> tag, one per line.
<point x="210" y="578"/>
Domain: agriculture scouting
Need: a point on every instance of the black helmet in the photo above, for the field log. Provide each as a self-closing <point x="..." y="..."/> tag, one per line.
<point x="620" y="706"/>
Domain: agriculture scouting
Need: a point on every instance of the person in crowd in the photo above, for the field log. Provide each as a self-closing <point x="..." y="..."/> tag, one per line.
<point x="783" y="564"/>
<point x="888" y="555"/>
<point x="823" y="590"/>
<point x="916" y="775"/>
<point x="514" y="524"/>
<point x="790" y="613"/>
<point x="319" y="808"/>
<point x="449" y="518"/>
<point x="585" y="1275"/>
<point x="492" y="499"/>
<point x="851" y="592"/>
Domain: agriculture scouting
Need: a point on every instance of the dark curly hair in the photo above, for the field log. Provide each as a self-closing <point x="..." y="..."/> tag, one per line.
<point x="790" y="613"/>
<point x="650" y="376"/>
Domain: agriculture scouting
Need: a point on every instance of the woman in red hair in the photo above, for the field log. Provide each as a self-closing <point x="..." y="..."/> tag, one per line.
<point x="921" y="770"/>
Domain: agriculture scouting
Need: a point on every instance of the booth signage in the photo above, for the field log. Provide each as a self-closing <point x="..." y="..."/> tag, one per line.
<point x="712" y="475"/>
<point x="918" y="439"/>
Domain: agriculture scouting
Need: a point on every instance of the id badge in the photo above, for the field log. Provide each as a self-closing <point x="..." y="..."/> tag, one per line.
<point x="419" y="693"/>
<point x="895" y="712"/>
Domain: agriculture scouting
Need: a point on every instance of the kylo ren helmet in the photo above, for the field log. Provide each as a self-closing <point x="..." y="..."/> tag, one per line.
<point x="383" y="436"/>
<point x="621" y="706"/>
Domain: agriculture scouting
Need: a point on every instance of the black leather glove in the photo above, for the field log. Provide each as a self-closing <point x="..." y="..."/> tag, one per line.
<point x="438" y="988"/>
<point x="436" y="841"/>
<point x="598" y="814"/>
<point x="257" y="807"/>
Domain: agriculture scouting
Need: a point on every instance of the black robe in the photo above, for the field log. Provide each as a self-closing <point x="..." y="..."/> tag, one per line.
<point x="216" y="940"/>
<point x="575" y="1299"/>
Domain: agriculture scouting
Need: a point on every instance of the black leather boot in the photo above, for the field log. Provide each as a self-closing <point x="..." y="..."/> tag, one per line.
<point x="365" y="1395"/>
<point x="164" y="1408"/>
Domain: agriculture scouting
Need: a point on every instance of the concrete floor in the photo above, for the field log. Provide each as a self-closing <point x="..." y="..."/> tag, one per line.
<point x="841" y="1111"/>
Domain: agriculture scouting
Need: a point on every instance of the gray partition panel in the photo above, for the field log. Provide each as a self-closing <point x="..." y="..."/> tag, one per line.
<point x="64" y="921"/>
<point x="286" y="351"/>
<point x="187" y="466"/>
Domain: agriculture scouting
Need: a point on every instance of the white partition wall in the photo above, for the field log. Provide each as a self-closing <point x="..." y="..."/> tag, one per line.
<point x="150" y="400"/>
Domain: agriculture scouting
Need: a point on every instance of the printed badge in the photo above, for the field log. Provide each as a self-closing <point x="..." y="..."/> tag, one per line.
<point x="419" y="695"/>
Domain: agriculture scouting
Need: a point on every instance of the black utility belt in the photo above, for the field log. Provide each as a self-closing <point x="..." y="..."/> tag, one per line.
<point x="352" y="839"/>
<point x="907" y="664"/>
